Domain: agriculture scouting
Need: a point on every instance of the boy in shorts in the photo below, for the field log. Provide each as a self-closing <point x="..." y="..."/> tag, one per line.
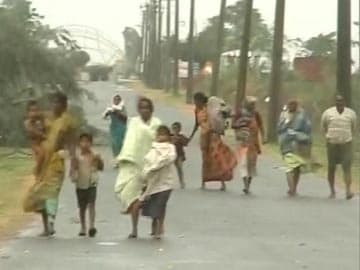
<point x="85" y="176"/>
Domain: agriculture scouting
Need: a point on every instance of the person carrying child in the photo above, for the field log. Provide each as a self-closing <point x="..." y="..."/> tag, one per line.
<point x="158" y="178"/>
<point x="85" y="176"/>
<point x="118" y="117"/>
<point x="180" y="141"/>
<point x="35" y="127"/>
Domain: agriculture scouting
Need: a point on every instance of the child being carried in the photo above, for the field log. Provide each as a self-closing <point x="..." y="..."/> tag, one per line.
<point x="35" y="127"/>
<point x="159" y="180"/>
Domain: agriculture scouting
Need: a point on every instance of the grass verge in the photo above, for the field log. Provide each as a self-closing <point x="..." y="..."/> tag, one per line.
<point x="318" y="150"/>
<point x="14" y="182"/>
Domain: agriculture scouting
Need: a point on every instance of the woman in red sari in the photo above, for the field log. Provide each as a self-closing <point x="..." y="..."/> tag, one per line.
<point x="218" y="161"/>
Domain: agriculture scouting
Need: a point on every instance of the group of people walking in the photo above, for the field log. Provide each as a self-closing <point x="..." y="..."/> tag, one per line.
<point x="146" y="151"/>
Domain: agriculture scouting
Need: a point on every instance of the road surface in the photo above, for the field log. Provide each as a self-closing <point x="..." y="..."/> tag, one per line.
<point x="205" y="229"/>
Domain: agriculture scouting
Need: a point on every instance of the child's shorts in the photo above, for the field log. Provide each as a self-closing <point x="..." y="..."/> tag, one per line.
<point x="86" y="196"/>
<point x="155" y="206"/>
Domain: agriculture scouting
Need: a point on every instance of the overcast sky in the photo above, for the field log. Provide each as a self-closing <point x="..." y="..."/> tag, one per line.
<point x="304" y="18"/>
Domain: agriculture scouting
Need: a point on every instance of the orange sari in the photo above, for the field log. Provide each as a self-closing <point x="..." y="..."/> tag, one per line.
<point x="218" y="159"/>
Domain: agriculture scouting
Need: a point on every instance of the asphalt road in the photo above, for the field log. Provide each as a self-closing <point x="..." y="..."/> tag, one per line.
<point x="205" y="229"/>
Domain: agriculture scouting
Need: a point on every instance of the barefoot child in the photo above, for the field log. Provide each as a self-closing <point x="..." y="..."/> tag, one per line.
<point x="159" y="178"/>
<point x="36" y="130"/>
<point x="180" y="141"/>
<point x="85" y="176"/>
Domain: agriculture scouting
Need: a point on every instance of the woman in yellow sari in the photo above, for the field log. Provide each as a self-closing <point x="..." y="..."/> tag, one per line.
<point x="44" y="194"/>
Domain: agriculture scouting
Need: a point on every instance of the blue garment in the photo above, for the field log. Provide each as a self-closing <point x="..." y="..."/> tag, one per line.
<point x="117" y="133"/>
<point x="293" y="130"/>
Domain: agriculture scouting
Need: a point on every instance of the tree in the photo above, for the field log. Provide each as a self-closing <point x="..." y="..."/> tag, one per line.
<point x="260" y="40"/>
<point x="321" y="45"/>
<point x="34" y="61"/>
<point x="132" y="50"/>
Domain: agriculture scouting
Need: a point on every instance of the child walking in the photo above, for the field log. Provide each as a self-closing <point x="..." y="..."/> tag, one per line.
<point x="180" y="141"/>
<point x="158" y="178"/>
<point x="85" y="176"/>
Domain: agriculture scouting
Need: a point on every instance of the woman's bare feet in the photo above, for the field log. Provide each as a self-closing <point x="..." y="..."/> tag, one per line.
<point x="51" y="229"/>
<point x="223" y="186"/>
<point x="44" y="234"/>
<point x="132" y="236"/>
<point x="203" y="187"/>
<point x="157" y="237"/>
<point x="349" y="196"/>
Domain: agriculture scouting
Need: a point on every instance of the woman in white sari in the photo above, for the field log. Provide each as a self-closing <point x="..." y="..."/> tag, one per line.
<point x="140" y="135"/>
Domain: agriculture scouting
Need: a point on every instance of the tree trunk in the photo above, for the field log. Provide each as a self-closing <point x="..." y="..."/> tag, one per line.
<point x="176" y="50"/>
<point x="219" y="48"/>
<point x="190" y="84"/>
<point x="168" y="47"/>
<point x="159" y="44"/>
<point x="243" y="64"/>
<point x="344" y="50"/>
<point x="275" y="83"/>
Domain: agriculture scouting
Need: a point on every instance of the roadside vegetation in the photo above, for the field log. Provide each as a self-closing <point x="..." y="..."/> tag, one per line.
<point x="35" y="60"/>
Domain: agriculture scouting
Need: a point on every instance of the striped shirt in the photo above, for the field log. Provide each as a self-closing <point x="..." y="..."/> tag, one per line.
<point x="339" y="127"/>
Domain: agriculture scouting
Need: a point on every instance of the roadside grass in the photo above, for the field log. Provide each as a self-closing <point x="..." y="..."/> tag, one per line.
<point x="14" y="181"/>
<point x="318" y="149"/>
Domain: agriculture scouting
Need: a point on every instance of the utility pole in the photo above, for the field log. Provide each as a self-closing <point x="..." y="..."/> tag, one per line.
<point x="143" y="30"/>
<point x="159" y="44"/>
<point x="176" y="50"/>
<point x="153" y="45"/>
<point x="275" y="83"/>
<point x="219" y="47"/>
<point x="244" y="56"/>
<point x="146" y="45"/>
<point x="344" y="50"/>
<point x="190" y="84"/>
<point x="168" y="47"/>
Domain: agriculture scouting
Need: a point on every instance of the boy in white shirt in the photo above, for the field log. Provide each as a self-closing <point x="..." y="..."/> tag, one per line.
<point x="158" y="175"/>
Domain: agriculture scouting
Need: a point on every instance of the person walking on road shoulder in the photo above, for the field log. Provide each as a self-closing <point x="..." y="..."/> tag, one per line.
<point x="139" y="137"/>
<point x="294" y="132"/>
<point x="248" y="126"/>
<point x="339" y="125"/>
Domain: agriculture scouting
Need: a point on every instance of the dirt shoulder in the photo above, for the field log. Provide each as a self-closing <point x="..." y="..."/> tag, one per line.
<point x="14" y="182"/>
